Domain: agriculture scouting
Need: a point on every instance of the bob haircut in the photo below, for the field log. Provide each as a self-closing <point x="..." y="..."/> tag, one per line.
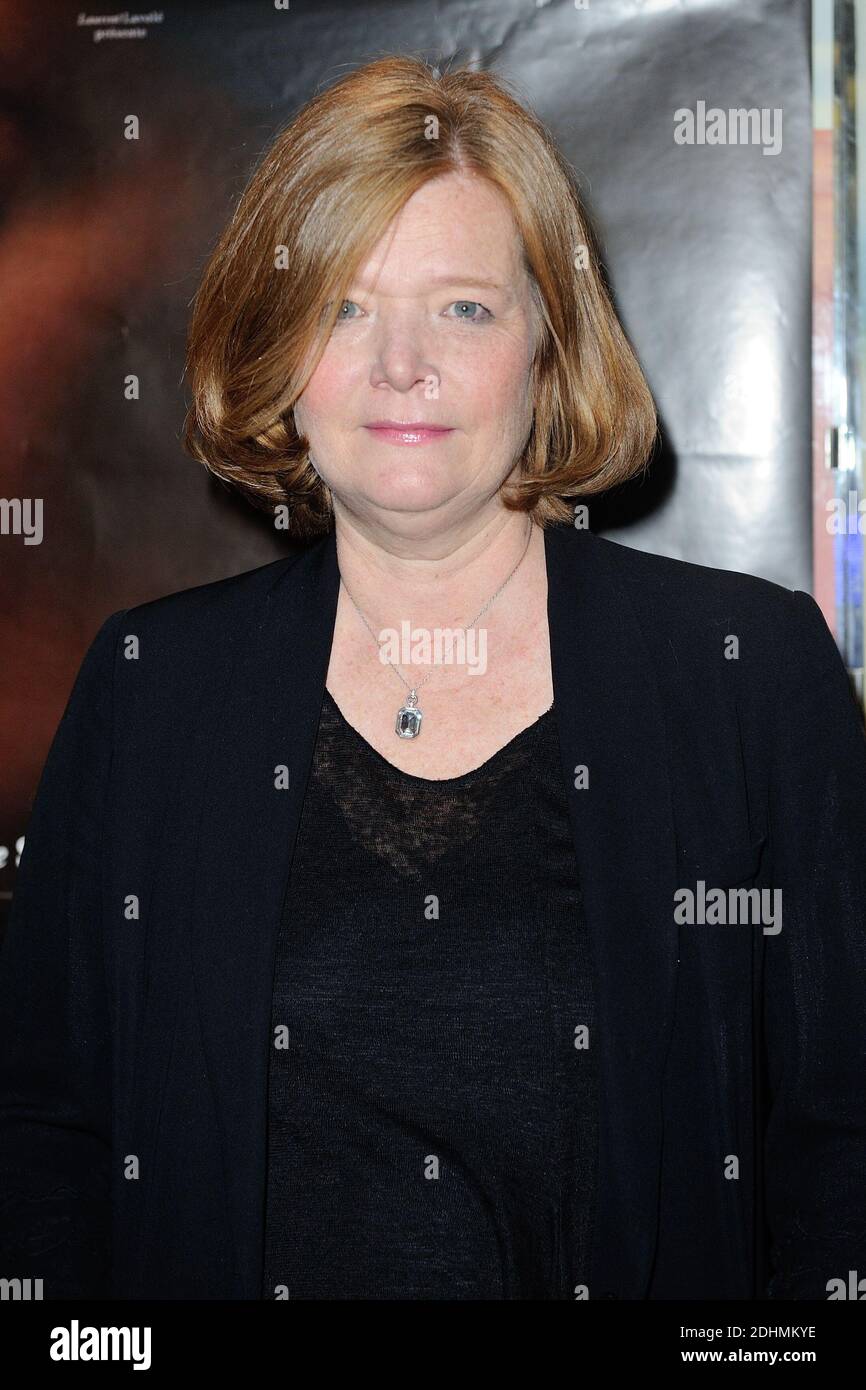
<point x="323" y="194"/>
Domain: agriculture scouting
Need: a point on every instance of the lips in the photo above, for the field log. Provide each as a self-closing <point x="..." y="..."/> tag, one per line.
<point x="411" y="432"/>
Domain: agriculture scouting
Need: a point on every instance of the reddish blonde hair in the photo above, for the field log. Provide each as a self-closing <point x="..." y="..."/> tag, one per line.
<point x="323" y="194"/>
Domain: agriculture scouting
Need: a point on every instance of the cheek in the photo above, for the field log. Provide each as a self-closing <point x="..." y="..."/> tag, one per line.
<point x="497" y="387"/>
<point x="328" y="388"/>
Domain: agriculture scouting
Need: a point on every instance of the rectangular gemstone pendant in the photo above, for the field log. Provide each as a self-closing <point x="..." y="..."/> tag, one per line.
<point x="409" y="718"/>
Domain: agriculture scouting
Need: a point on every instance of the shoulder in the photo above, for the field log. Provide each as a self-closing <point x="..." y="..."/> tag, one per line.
<point x="734" y="656"/>
<point x="679" y="595"/>
<point x="187" y="623"/>
<point x="685" y="585"/>
<point x="690" y="615"/>
<point x="180" y="641"/>
<point x="219" y="600"/>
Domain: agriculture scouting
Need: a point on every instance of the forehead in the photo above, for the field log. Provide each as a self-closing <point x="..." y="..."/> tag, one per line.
<point x="457" y="228"/>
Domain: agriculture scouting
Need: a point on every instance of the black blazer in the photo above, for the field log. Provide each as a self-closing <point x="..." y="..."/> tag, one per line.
<point x="135" y="980"/>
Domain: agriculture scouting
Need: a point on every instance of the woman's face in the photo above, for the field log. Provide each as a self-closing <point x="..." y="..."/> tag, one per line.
<point x="438" y="329"/>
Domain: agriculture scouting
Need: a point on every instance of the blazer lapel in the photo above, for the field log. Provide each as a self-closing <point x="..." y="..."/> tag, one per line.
<point x="269" y="722"/>
<point x="611" y="722"/>
<point x="609" y="719"/>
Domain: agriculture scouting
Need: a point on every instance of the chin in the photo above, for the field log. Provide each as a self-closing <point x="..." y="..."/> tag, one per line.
<point x="409" y="494"/>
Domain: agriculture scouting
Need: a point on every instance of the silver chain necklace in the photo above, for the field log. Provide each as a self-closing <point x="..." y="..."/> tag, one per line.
<point x="409" y="716"/>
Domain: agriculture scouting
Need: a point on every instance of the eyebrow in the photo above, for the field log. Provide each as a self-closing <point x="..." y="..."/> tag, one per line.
<point x="450" y="278"/>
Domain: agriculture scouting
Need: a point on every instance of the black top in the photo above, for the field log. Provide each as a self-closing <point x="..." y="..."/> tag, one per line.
<point x="432" y="1113"/>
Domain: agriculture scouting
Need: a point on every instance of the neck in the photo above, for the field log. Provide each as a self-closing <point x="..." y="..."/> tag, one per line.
<point x="440" y="578"/>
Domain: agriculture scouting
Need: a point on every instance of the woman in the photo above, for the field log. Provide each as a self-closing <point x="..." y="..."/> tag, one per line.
<point x="334" y="976"/>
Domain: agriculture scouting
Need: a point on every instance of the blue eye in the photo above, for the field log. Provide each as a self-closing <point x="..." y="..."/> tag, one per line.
<point x="473" y="304"/>
<point x="341" y="317"/>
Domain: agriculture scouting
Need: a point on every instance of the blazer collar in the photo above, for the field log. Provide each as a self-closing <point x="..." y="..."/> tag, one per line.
<point x="610" y="720"/>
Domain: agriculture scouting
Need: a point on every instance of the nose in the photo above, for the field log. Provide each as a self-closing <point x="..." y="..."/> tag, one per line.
<point x="402" y="354"/>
